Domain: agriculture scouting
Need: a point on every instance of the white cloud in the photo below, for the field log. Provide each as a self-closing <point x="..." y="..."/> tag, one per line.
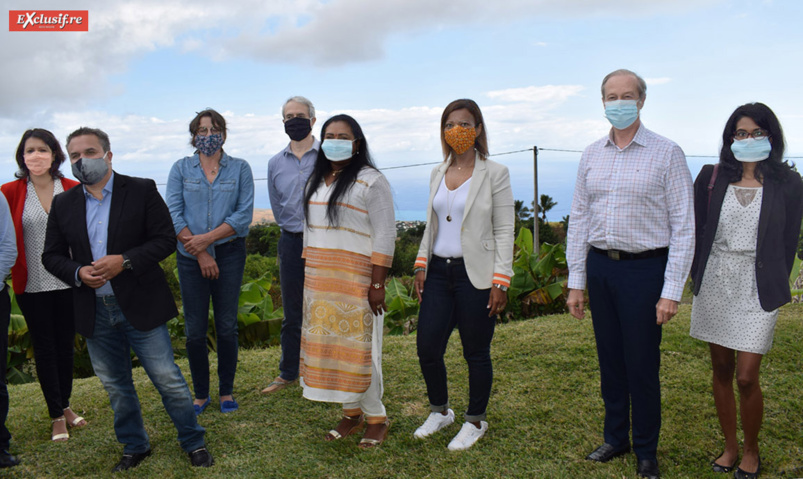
<point x="658" y="81"/>
<point x="148" y="146"/>
<point x="347" y="31"/>
<point x="554" y="94"/>
<point x="58" y="70"/>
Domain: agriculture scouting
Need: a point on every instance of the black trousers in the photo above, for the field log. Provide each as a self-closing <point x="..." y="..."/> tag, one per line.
<point x="50" y="319"/>
<point x="622" y="296"/>
<point x="5" y="316"/>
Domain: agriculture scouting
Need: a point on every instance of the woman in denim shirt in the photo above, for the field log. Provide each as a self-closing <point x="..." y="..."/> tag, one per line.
<point x="211" y="199"/>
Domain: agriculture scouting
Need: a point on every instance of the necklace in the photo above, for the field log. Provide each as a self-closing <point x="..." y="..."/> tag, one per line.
<point x="212" y="172"/>
<point x="449" y="204"/>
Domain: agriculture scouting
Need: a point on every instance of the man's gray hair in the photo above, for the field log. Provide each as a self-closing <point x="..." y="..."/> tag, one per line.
<point x="642" y="85"/>
<point x="303" y="101"/>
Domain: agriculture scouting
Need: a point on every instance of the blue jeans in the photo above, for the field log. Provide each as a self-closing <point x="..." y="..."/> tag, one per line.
<point x="225" y="293"/>
<point x="451" y="300"/>
<point x="109" y="349"/>
<point x="291" y="273"/>
<point x="5" y="317"/>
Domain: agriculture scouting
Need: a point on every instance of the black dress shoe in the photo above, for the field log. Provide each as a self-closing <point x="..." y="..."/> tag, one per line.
<point x="606" y="452"/>
<point x="649" y="469"/>
<point x="201" y="458"/>
<point x="742" y="474"/>
<point x="719" y="468"/>
<point x="7" y="460"/>
<point x="129" y="461"/>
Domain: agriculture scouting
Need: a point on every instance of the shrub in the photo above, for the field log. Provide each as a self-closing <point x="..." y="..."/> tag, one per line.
<point x="263" y="239"/>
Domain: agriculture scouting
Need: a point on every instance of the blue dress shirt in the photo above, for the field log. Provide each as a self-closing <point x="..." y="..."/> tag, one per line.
<point x="97" y="227"/>
<point x="8" y="241"/>
<point x="201" y="206"/>
<point x="287" y="176"/>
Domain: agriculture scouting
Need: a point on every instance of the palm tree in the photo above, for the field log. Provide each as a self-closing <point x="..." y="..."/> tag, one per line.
<point x="565" y="223"/>
<point x="546" y="204"/>
<point x="522" y="212"/>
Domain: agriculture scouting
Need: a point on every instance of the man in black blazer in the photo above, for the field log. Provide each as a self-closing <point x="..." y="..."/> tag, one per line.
<point x="106" y="239"/>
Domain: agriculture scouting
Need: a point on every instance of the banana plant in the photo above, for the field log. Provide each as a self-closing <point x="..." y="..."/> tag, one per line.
<point x="538" y="285"/>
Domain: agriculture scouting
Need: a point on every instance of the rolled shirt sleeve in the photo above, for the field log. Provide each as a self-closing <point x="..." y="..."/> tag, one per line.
<point x="8" y="240"/>
<point x="240" y="219"/>
<point x="383" y="221"/>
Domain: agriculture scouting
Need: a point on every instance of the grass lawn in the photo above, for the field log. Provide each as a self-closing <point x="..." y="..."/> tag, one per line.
<point x="545" y="415"/>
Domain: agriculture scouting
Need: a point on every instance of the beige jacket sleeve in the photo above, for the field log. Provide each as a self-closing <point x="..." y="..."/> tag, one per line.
<point x="487" y="230"/>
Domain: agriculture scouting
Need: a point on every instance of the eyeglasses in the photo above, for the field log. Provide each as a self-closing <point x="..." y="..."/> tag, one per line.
<point x="204" y="131"/>
<point x="462" y="124"/>
<point x="758" y="134"/>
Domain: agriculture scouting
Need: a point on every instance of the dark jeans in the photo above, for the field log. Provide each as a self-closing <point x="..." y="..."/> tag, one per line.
<point x="49" y="315"/>
<point x="450" y="300"/>
<point x="5" y="317"/>
<point x="622" y="297"/>
<point x="291" y="273"/>
<point x="109" y="350"/>
<point x="225" y="293"/>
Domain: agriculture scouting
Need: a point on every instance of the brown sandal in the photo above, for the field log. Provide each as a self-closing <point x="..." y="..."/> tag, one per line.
<point x="369" y="443"/>
<point x="347" y="424"/>
<point x="277" y="385"/>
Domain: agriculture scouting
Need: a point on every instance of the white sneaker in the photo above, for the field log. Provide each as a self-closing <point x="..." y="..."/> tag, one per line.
<point x="468" y="435"/>
<point x="434" y="423"/>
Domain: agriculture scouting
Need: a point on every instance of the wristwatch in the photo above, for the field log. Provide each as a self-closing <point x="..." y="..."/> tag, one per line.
<point x="503" y="288"/>
<point x="127" y="262"/>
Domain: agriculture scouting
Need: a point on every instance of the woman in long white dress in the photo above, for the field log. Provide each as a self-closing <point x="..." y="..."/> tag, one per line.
<point x="748" y="211"/>
<point x="349" y="241"/>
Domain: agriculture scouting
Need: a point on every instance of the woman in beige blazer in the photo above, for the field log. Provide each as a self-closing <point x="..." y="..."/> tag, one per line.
<point x="463" y="267"/>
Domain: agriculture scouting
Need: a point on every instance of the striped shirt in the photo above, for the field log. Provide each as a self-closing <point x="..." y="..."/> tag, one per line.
<point x="633" y="199"/>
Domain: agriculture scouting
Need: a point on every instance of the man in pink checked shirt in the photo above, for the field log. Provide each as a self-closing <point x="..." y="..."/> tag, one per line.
<point x="631" y="243"/>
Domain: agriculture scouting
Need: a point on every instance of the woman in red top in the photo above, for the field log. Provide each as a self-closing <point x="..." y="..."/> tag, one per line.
<point x="45" y="301"/>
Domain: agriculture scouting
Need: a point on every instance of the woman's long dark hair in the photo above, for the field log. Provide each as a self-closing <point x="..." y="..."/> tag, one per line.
<point x="774" y="167"/>
<point x="345" y="179"/>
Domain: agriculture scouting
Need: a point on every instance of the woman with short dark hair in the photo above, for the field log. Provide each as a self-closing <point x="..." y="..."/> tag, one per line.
<point x="45" y="301"/>
<point x="211" y="199"/>
<point x="748" y="211"/>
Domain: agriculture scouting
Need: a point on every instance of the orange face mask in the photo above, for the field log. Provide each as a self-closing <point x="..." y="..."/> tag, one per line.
<point x="460" y="138"/>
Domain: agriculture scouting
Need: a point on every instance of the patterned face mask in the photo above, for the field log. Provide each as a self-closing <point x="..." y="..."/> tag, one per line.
<point x="208" y="145"/>
<point x="460" y="138"/>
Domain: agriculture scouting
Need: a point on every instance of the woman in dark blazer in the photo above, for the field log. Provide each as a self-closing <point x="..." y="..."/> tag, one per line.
<point x="45" y="301"/>
<point x="748" y="211"/>
<point x="463" y="268"/>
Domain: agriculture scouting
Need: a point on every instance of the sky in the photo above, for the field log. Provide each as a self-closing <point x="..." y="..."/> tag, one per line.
<point x="145" y="67"/>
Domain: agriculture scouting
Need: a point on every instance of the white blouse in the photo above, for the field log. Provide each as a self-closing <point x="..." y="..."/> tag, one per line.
<point x="449" y="206"/>
<point x="34" y="227"/>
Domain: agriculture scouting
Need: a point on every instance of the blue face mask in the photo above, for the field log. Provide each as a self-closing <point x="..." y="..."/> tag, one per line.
<point x="90" y="171"/>
<point x="208" y="145"/>
<point x="621" y="113"/>
<point x="337" y="150"/>
<point x="751" y="150"/>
